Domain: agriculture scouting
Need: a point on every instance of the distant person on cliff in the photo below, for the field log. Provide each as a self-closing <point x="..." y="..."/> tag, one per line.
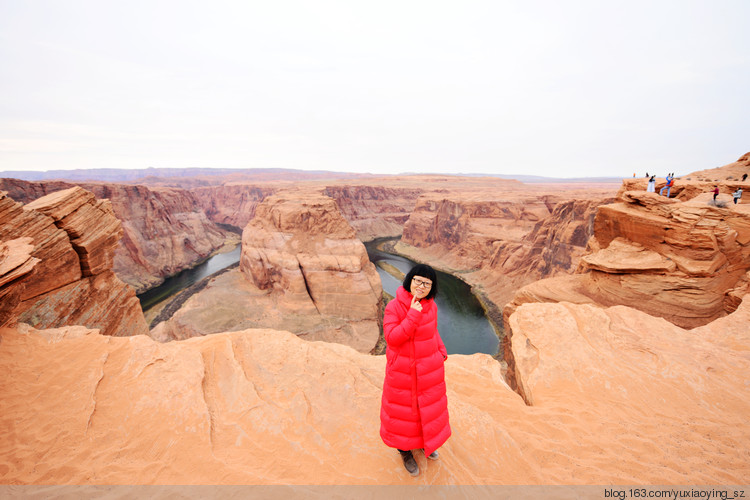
<point x="651" y="184"/>
<point x="668" y="186"/>
<point x="414" y="406"/>
<point x="737" y="195"/>
<point x="716" y="193"/>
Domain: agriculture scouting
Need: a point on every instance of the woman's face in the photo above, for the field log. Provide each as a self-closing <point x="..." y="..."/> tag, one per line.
<point x="420" y="286"/>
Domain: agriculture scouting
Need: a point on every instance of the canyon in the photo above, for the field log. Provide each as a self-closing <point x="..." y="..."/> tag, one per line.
<point x="302" y="269"/>
<point x="72" y="237"/>
<point x="625" y="338"/>
<point x="163" y="231"/>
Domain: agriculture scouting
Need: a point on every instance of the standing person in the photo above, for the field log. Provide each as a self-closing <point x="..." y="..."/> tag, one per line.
<point x="737" y="195"/>
<point x="668" y="186"/>
<point x="716" y="193"/>
<point x="651" y="184"/>
<point x="414" y="406"/>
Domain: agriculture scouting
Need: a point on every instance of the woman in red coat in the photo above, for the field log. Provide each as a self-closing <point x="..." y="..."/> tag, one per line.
<point x="414" y="407"/>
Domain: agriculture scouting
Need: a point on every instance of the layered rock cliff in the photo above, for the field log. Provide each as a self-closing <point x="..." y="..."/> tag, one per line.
<point x="375" y="211"/>
<point x="671" y="259"/>
<point x="74" y="237"/>
<point x="16" y="262"/>
<point x="302" y="269"/>
<point x="618" y="397"/>
<point x="163" y="229"/>
<point x="501" y="240"/>
<point x="232" y="204"/>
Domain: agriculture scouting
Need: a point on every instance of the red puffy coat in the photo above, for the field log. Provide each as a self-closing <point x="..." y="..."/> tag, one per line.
<point x="414" y="406"/>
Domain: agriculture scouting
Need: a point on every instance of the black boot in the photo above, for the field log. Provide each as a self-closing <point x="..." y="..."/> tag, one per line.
<point x="409" y="462"/>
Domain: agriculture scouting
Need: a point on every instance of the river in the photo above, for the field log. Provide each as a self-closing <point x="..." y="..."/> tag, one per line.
<point x="183" y="279"/>
<point x="462" y="323"/>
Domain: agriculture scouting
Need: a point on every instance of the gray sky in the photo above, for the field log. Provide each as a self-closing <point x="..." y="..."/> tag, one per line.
<point x="553" y="88"/>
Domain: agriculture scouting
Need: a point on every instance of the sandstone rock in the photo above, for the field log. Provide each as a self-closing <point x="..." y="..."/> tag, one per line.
<point x="619" y="398"/>
<point x="229" y="302"/>
<point x="15" y="259"/>
<point x="702" y="251"/>
<point x="500" y="240"/>
<point x="163" y="231"/>
<point x="59" y="262"/>
<point x="729" y="172"/>
<point x="55" y="335"/>
<point x="375" y="211"/>
<point x="72" y="283"/>
<point x="305" y="271"/>
<point x="91" y="225"/>
<point x="623" y="257"/>
<point x="232" y="203"/>
<point x="15" y="263"/>
<point x="299" y="245"/>
<point x="644" y="377"/>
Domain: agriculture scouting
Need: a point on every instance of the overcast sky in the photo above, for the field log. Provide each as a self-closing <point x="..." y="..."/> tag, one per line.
<point x="554" y="88"/>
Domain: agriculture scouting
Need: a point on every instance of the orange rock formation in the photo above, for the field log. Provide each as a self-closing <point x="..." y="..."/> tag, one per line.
<point x="672" y="259"/>
<point x="302" y="269"/>
<point x="74" y="237"/>
<point x="163" y="231"/>
<point x="619" y="397"/>
<point x="592" y="394"/>
<point x="15" y="263"/>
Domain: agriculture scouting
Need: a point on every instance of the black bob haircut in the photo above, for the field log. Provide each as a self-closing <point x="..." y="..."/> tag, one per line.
<point x="424" y="271"/>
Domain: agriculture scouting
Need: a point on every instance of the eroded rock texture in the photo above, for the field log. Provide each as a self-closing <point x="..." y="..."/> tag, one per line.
<point x="301" y="269"/>
<point x="163" y="230"/>
<point x="301" y="247"/>
<point x="15" y="263"/>
<point x="74" y="237"/>
<point x="682" y="261"/>
<point x="618" y="397"/>
<point x="499" y="239"/>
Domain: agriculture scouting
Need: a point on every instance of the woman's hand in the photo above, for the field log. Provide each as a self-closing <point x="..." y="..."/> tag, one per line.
<point x="415" y="303"/>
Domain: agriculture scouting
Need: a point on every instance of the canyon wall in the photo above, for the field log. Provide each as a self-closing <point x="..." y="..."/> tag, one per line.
<point x="163" y="230"/>
<point x="16" y="263"/>
<point x="618" y="397"/>
<point x="74" y="237"/>
<point x="375" y="211"/>
<point x="302" y="269"/>
<point x="231" y="204"/>
<point x="500" y="240"/>
<point x="686" y="262"/>
<point x="592" y="395"/>
<point x="300" y="249"/>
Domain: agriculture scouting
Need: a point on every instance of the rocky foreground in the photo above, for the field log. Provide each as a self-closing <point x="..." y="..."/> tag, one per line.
<point x="616" y="396"/>
<point x="592" y="394"/>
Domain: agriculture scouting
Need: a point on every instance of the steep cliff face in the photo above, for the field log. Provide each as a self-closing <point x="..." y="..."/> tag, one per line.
<point x="163" y="230"/>
<point x="469" y="228"/>
<point x="671" y="259"/>
<point x="501" y="241"/>
<point x="555" y="244"/>
<point x="232" y="204"/>
<point x="16" y="262"/>
<point x="302" y="269"/>
<point x="619" y="397"/>
<point x="74" y="237"/>
<point x="299" y="245"/>
<point x="375" y="211"/>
